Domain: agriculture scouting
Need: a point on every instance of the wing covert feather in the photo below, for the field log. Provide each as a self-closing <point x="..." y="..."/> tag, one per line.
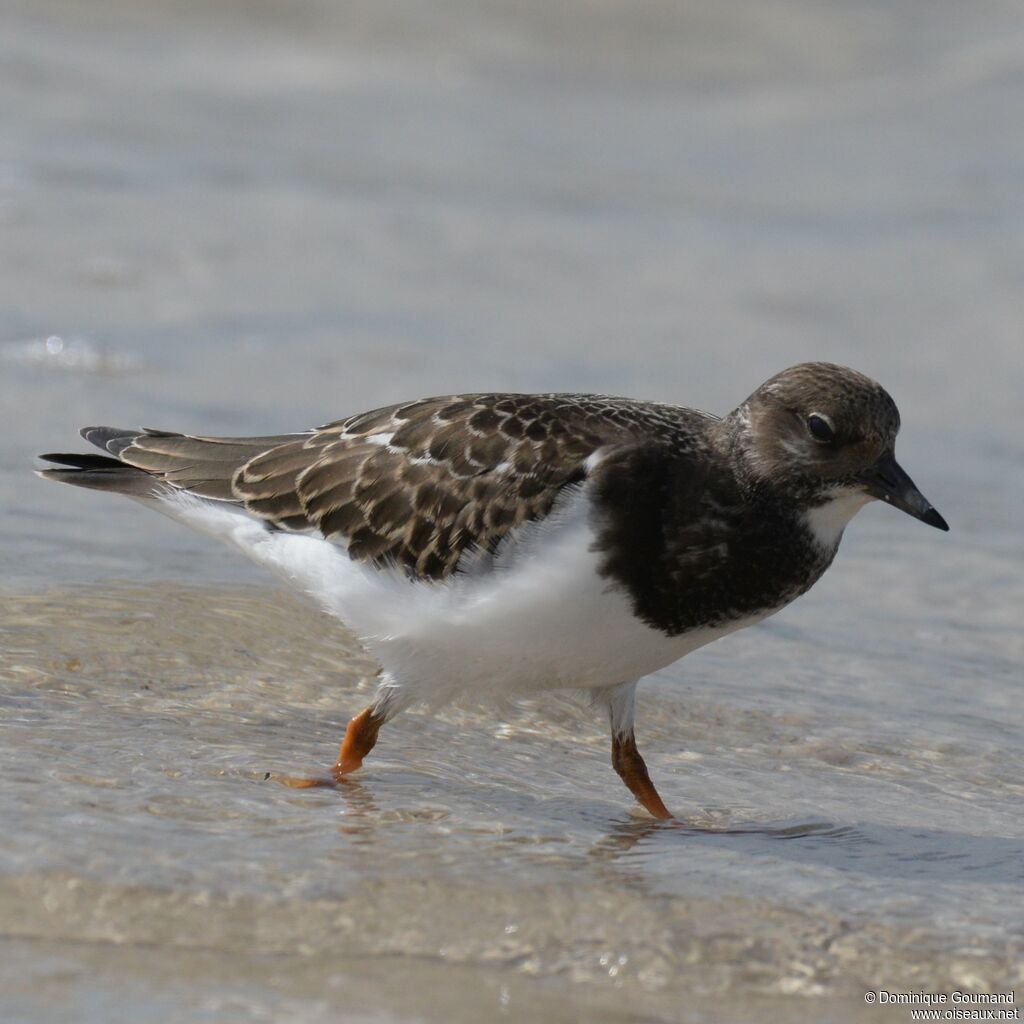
<point x="423" y="483"/>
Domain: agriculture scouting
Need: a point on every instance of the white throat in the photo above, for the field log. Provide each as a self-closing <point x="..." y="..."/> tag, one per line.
<point x="827" y="522"/>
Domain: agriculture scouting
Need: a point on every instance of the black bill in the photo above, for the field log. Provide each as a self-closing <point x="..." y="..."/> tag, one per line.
<point x="887" y="480"/>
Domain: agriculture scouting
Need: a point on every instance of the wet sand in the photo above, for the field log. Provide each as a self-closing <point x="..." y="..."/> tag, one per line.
<point x="144" y="722"/>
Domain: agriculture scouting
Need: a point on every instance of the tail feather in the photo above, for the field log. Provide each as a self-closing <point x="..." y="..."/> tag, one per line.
<point x="81" y="460"/>
<point x="144" y="461"/>
<point x="97" y="472"/>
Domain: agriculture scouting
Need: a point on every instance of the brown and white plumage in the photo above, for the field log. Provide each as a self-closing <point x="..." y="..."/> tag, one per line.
<point x="502" y="543"/>
<point x="423" y="483"/>
<point x="417" y="485"/>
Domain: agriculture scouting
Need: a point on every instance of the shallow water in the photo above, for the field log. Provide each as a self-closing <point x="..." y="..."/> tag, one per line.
<point x="227" y="222"/>
<point x="141" y="723"/>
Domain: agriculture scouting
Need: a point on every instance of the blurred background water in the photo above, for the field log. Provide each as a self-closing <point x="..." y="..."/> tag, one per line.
<point x="251" y="218"/>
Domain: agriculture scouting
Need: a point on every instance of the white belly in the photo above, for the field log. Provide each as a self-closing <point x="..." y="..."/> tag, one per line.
<point x="538" y="616"/>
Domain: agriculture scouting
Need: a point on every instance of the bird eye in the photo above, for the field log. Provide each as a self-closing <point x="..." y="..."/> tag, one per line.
<point x="820" y="428"/>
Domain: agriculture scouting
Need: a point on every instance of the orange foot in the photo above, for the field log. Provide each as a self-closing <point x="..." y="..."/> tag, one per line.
<point x="360" y="738"/>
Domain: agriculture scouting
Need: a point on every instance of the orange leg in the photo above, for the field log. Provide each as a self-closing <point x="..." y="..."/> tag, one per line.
<point x="626" y="760"/>
<point x="360" y="737"/>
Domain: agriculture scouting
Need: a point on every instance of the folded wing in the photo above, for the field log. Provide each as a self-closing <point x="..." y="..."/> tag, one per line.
<point x="417" y="485"/>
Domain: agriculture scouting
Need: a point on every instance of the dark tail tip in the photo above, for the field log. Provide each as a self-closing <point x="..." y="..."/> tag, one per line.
<point x="81" y="460"/>
<point x="97" y="472"/>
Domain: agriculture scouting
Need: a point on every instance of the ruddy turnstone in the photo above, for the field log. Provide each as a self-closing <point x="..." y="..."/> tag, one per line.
<point x="513" y="543"/>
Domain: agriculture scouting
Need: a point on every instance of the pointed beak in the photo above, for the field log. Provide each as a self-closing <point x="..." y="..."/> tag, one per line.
<point x="887" y="480"/>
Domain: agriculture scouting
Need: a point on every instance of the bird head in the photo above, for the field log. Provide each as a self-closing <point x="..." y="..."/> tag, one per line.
<point x="827" y="435"/>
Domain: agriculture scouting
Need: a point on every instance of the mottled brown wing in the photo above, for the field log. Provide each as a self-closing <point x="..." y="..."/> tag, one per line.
<point x="421" y="484"/>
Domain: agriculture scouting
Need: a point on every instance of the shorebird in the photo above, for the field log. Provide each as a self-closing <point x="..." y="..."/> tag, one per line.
<point x="510" y="543"/>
